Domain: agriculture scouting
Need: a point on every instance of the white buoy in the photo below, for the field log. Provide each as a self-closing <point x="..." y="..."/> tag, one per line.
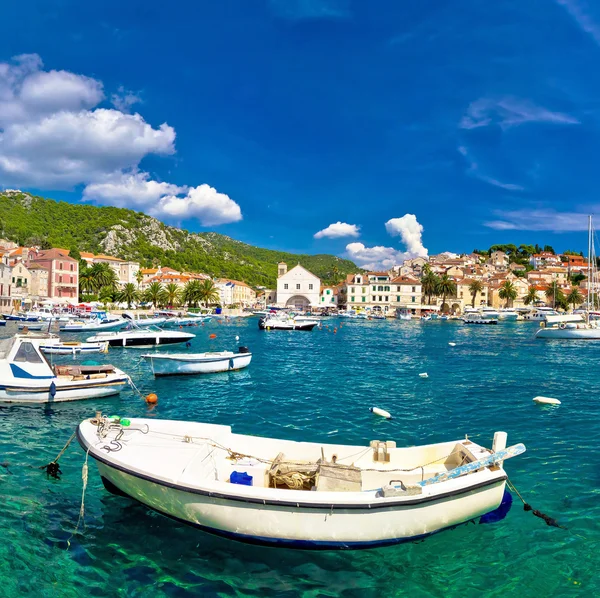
<point x="381" y="412"/>
<point x="546" y="401"/>
<point x="452" y="344"/>
<point x="237" y="338"/>
<point x="424" y="375"/>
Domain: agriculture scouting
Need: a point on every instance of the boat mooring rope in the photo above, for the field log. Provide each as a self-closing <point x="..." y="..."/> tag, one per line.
<point x="53" y="468"/>
<point x="527" y="507"/>
<point x="84" y="477"/>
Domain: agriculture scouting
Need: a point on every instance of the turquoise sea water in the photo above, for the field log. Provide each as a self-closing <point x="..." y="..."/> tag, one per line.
<point x="319" y="386"/>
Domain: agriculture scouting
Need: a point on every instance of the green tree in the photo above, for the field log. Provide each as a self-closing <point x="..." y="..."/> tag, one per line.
<point x="86" y="281"/>
<point x="445" y="287"/>
<point x="153" y="293"/>
<point x="532" y="296"/>
<point x="128" y="294"/>
<point x="139" y="277"/>
<point x="191" y="293"/>
<point x="429" y="283"/>
<point x="106" y="295"/>
<point x="554" y="293"/>
<point x="208" y="292"/>
<point x="103" y="276"/>
<point x="574" y="297"/>
<point x="475" y="287"/>
<point x="508" y="292"/>
<point x="172" y="294"/>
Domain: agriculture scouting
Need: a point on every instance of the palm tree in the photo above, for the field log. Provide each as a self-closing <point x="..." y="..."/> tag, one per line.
<point x="508" y="292"/>
<point x="103" y="276"/>
<point x="153" y="293"/>
<point x="531" y="296"/>
<point x="475" y="287"/>
<point x="106" y="296"/>
<point x="86" y="281"/>
<point x="574" y="297"/>
<point x="554" y="293"/>
<point x="446" y="286"/>
<point x="429" y="283"/>
<point x="172" y="294"/>
<point x="128" y="294"/>
<point x="139" y="277"/>
<point x="191" y="293"/>
<point x="209" y="292"/>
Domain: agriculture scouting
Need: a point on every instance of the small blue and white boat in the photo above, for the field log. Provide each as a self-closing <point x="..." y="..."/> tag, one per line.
<point x="177" y="364"/>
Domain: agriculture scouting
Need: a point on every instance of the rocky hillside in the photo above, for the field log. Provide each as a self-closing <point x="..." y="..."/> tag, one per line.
<point x="32" y="220"/>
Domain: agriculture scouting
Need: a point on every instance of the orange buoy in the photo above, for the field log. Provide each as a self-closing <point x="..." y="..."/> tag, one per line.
<point x="151" y="399"/>
<point x="335" y="331"/>
<point x="212" y="336"/>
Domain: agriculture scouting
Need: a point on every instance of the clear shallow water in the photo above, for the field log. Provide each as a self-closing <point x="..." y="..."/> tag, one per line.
<point x="320" y="385"/>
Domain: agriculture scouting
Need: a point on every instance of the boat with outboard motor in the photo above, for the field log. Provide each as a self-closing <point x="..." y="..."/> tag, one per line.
<point x="173" y="364"/>
<point x="27" y="377"/>
<point x="141" y="337"/>
<point x="475" y="317"/>
<point x="93" y="325"/>
<point x="296" y="494"/>
<point x="284" y="321"/>
<point x="569" y="326"/>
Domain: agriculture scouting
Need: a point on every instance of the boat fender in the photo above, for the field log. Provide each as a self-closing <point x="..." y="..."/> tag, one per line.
<point x="452" y="344"/>
<point x="546" y="401"/>
<point x="244" y="350"/>
<point x="562" y="326"/>
<point x="380" y="412"/>
<point x="542" y="324"/>
<point x="52" y="389"/>
<point x="151" y="398"/>
<point x="424" y="375"/>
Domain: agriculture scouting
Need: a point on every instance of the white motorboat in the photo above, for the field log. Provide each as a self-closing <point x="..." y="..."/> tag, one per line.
<point x="296" y="494"/>
<point x="478" y="318"/>
<point x="145" y="320"/>
<point x="27" y="377"/>
<point x="58" y="347"/>
<point x="569" y="326"/>
<point x="403" y="314"/>
<point x="172" y="364"/>
<point x="508" y="313"/>
<point x="283" y="321"/>
<point x="36" y="326"/>
<point x="93" y="325"/>
<point x="489" y="312"/>
<point x="539" y="314"/>
<point x="178" y="322"/>
<point x="144" y="337"/>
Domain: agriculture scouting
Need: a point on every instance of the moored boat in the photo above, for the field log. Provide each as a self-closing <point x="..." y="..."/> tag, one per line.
<point x="58" y="347"/>
<point x="478" y="318"/>
<point x="296" y="494"/>
<point x="144" y="337"/>
<point x="569" y="326"/>
<point x="172" y="364"/>
<point x="93" y="325"/>
<point x="27" y="377"/>
<point x="283" y="321"/>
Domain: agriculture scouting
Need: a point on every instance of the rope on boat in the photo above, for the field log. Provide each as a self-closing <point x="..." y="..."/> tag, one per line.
<point x="527" y="507"/>
<point x="84" y="478"/>
<point x="53" y="468"/>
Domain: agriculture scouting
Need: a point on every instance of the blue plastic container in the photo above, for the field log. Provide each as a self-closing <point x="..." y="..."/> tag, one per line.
<point x="240" y="477"/>
<point x="218" y="310"/>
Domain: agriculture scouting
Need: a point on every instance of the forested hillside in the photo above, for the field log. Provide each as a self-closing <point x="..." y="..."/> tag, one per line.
<point x="32" y="220"/>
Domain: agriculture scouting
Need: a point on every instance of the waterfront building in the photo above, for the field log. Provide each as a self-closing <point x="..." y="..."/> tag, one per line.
<point x="406" y="293"/>
<point x="63" y="274"/>
<point x="235" y="292"/>
<point x="38" y="281"/>
<point x="125" y="270"/>
<point x="545" y="258"/>
<point x="465" y="297"/>
<point x="5" y="284"/>
<point x="329" y="297"/>
<point x="297" y="288"/>
<point x="499" y="260"/>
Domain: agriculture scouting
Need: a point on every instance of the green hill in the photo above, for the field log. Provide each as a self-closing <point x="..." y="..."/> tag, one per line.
<point x="32" y="220"/>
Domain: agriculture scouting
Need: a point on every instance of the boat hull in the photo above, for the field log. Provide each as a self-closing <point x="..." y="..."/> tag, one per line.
<point x="75" y="391"/>
<point x="569" y="333"/>
<point x="143" y="342"/>
<point x="307" y="326"/>
<point x="179" y="367"/>
<point x="322" y="527"/>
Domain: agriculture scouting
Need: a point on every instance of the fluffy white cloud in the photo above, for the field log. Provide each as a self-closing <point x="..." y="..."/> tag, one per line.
<point x="135" y="189"/>
<point x="54" y="134"/>
<point x="337" y="230"/>
<point x="410" y="231"/>
<point x="384" y="258"/>
<point x="204" y="203"/>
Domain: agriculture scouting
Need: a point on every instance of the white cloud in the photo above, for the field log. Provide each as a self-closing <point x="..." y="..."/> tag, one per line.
<point x="385" y="258"/>
<point x="539" y="220"/>
<point x="302" y="10"/>
<point x="55" y="134"/>
<point x="582" y="18"/>
<point x="204" y="203"/>
<point x="338" y="230"/>
<point x="135" y="189"/>
<point x="509" y="111"/>
<point x="474" y="171"/>
<point x="410" y="231"/>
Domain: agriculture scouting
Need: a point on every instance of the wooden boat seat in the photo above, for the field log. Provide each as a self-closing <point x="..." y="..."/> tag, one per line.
<point x="83" y="370"/>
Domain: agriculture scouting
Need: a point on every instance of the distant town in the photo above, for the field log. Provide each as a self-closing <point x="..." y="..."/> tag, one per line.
<point x="445" y="282"/>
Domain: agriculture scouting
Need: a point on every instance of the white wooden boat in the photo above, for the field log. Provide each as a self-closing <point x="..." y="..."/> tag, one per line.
<point x="35" y="326"/>
<point x="93" y="325"/>
<point x="139" y="338"/>
<point x="57" y="347"/>
<point x="145" y="320"/>
<point x="282" y="321"/>
<point x="508" y="313"/>
<point x="27" y="377"/>
<point x="173" y="364"/>
<point x="296" y="494"/>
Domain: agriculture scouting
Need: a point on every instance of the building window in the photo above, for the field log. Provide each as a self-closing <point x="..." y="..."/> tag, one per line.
<point x="333" y="299"/>
<point x="71" y="280"/>
<point x="285" y="286"/>
<point x="374" y="288"/>
<point x="380" y="288"/>
<point x="322" y="298"/>
<point x="380" y="299"/>
<point x="297" y="287"/>
<point x="60" y="279"/>
<point x="364" y="299"/>
<point x="352" y="299"/>
<point x="387" y="298"/>
<point x="414" y="289"/>
<point x="72" y="267"/>
<point x="352" y="290"/>
<point x="397" y="291"/>
<point x="397" y="299"/>
<point x="413" y="299"/>
<point x="60" y="266"/>
<point x="310" y="287"/>
<point x="327" y="292"/>
<point x="364" y="290"/>
<point x="387" y="289"/>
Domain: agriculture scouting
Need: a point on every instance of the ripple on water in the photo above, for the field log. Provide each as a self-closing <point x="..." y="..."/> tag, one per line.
<point x="309" y="387"/>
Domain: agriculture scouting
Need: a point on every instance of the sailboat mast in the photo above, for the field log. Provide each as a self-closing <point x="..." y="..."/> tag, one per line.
<point x="590" y="294"/>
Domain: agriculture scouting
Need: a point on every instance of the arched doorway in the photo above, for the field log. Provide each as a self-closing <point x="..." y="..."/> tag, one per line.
<point x="299" y="302"/>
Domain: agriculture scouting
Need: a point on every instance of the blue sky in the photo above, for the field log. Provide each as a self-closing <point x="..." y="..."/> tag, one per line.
<point x="270" y="120"/>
